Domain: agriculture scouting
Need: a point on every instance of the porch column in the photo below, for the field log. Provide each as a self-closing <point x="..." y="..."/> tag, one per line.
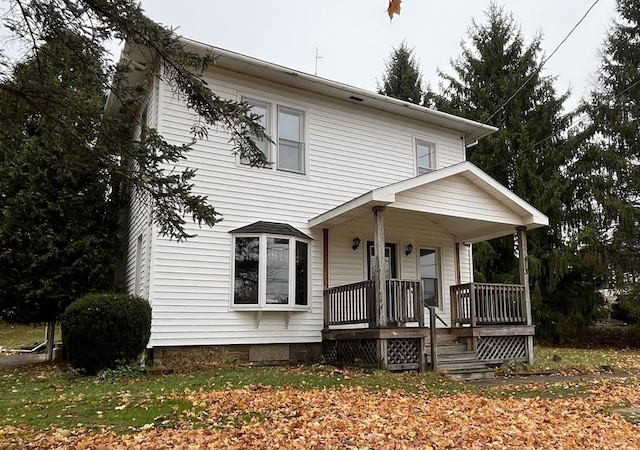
<point x="379" y="274"/>
<point x="523" y="261"/>
<point x="325" y="277"/>
<point x="456" y="259"/>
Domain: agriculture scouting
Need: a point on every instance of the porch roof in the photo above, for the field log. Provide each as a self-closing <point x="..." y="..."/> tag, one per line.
<point x="461" y="199"/>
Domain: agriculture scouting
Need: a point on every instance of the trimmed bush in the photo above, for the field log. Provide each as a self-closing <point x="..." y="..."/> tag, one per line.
<point x="101" y="331"/>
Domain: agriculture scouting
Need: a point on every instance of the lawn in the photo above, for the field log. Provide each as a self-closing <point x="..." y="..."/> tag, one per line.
<point x="17" y="336"/>
<point x="307" y="407"/>
<point x="574" y="361"/>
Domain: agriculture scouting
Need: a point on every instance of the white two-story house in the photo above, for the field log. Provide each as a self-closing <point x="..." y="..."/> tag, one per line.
<point x="355" y="245"/>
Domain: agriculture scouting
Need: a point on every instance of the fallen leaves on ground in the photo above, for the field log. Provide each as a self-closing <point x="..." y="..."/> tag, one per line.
<point x="352" y="418"/>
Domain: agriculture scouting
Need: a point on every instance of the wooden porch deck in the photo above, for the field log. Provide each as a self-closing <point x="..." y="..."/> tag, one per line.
<point x="491" y="320"/>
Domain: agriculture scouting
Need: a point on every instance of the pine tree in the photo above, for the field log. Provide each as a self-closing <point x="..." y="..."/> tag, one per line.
<point x="487" y="85"/>
<point x="66" y="169"/>
<point x="607" y="181"/>
<point x="402" y="78"/>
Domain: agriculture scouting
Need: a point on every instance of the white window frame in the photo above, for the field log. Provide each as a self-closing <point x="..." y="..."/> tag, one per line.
<point x="428" y="141"/>
<point x="302" y="148"/>
<point x="439" y="278"/>
<point x="272" y="129"/>
<point x="262" y="304"/>
<point x="268" y="108"/>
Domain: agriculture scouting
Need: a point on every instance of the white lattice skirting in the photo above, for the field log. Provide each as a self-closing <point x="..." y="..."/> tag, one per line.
<point x="500" y="349"/>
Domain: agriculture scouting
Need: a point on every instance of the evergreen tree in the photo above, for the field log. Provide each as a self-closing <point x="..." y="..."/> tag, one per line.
<point x="66" y="169"/>
<point x="402" y="78"/>
<point x="58" y="211"/>
<point x="484" y="86"/>
<point x="607" y="180"/>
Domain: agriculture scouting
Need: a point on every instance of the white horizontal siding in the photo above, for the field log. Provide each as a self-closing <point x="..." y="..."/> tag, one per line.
<point x="137" y="226"/>
<point x="351" y="150"/>
<point x="401" y="228"/>
<point x="456" y="197"/>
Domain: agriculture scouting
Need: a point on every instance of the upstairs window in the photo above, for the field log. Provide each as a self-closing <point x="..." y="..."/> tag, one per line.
<point x="289" y="129"/>
<point x="290" y="140"/>
<point x="261" y="109"/>
<point x="425" y="156"/>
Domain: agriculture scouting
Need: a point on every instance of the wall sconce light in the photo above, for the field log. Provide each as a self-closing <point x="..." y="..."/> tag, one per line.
<point x="409" y="249"/>
<point x="356" y="243"/>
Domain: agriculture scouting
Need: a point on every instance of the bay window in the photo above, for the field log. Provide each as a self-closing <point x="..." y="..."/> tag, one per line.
<point x="270" y="272"/>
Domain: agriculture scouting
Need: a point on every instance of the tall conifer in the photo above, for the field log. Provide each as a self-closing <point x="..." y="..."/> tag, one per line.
<point x="402" y="78"/>
<point x="498" y="80"/>
<point x="607" y="179"/>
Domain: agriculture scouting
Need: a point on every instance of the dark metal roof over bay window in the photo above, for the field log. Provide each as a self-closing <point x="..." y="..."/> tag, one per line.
<point x="274" y="228"/>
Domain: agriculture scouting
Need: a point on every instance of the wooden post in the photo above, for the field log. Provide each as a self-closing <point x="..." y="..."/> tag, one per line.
<point x="524" y="270"/>
<point x="456" y="257"/>
<point x="379" y="274"/>
<point x="433" y="338"/>
<point x="474" y="316"/>
<point x="524" y="280"/>
<point x="381" y="347"/>
<point x="50" y="338"/>
<point x="325" y="276"/>
<point x="420" y="305"/>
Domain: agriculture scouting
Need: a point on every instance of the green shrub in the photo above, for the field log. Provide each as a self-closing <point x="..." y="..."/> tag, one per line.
<point x="101" y="331"/>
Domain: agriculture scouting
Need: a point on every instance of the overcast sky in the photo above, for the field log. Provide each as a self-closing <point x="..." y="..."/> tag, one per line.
<point x="354" y="37"/>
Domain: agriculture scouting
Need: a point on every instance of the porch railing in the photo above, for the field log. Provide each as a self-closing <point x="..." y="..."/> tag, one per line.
<point x="355" y="303"/>
<point x="488" y="304"/>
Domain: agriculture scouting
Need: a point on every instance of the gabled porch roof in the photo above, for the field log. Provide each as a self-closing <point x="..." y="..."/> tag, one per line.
<point x="460" y="198"/>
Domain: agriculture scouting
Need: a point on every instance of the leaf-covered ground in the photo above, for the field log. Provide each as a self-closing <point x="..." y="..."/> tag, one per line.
<point x="561" y="415"/>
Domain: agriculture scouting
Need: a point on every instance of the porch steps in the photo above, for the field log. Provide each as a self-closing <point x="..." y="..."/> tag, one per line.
<point x="459" y="362"/>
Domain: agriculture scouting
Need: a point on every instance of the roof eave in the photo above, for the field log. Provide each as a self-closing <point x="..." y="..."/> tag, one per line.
<point x="237" y="62"/>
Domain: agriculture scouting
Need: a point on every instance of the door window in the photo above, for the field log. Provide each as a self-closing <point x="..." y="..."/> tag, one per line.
<point x="390" y="263"/>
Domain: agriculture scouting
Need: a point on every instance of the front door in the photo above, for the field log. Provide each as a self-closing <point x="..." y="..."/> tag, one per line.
<point x="390" y="260"/>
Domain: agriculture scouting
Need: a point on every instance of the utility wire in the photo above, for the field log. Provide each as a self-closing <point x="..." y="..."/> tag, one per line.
<point x="573" y="125"/>
<point x="541" y="65"/>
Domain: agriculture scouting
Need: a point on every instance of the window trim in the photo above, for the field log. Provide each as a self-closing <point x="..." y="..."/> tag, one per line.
<point x="272" y="130"/>
<point x="262" y="304"/>
<point x="426" y="140"/>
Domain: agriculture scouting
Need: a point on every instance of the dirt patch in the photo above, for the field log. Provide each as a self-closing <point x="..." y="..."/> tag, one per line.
<point x="631" y="415"/>
<point x="19" y="360"/>
<point x="537" y="379"/>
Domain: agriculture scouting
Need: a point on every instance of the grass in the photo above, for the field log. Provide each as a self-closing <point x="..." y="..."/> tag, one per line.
<point x="564" y="360"/>
<point x="45" y="396"/>
<point x="16" y="336"/>
<point x="42" y="396"/>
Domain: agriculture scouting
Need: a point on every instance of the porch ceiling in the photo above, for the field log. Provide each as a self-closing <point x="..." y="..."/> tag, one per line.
<point x="461" y="199"/>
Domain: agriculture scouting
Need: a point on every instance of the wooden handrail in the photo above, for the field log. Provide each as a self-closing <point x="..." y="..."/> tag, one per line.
<point x="355" y="303"/>
<point x="488" y="304"/>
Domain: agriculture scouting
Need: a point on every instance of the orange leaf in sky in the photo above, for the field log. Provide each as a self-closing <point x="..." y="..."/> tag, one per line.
<point x="394" y="8"/>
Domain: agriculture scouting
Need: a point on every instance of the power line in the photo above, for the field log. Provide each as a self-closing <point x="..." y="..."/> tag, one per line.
<point x="575" y="124"/>
<point x="541" y="64"/>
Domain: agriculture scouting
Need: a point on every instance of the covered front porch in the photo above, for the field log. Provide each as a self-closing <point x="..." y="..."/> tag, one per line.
<point x="407" y="299"/>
